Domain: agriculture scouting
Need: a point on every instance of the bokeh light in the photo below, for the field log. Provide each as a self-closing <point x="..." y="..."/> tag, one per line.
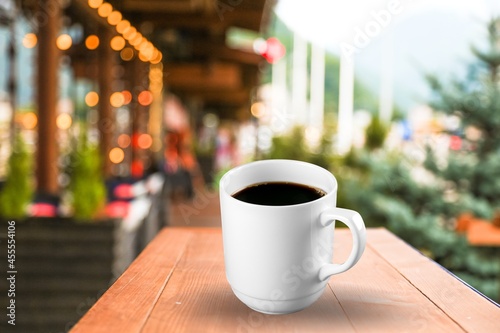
<point x="258" y="109"/>
<point x="105" y="9"/>
<point x="123" y="140"/>
<point x="92" y="42"/>
<point x="157" y="58"/>
<point x="116" y="99"/>
<point x="143" y="57"/>
<point x="130" y="33"/>
<point x="144" y="141"/>
<point x="29" y="120"/>
<point x="145" y="98"/>
<point x="64" y="121"/>
<point x="122" y="26"/>
<point x="64" y="42"/>
<point x="95" y="3"/>
<point x="137" y="40"/>
<point x="92" y="98"/>
<point x="116" y="155"/>
<point x="127" y="54"/>
<point x="115" y="17"/>
<point x="127" y="97"/>
<point x="30" y="40"/>
<point x="117" y="43"/>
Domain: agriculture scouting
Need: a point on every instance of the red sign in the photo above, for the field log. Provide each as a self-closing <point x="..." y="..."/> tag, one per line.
<point x="274" y="50"/>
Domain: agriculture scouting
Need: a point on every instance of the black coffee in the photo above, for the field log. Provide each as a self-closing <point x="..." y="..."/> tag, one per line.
<point x="278" y="194"/>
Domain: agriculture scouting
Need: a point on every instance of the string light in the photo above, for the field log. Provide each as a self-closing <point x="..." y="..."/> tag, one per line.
<point x="122" y="26"/>
<point x="147" y="51"/>
<point x="123" y="140"/>
<point x="144" y="141"/>
<point x="157" y="58"/>
<point x="117" y="43"/>
<point x="92" y="42"/>
<point x="104" y="9"/>
<point x="116" y="99"/>
<point x="30" y="40"/>
<point x="29" y="120"/>
<point x="127" y="97"/>
<point x="91" y="99"/>
<point x="63" y="121"/>
<point x="95" y="3"/>
<point x="116" y="155"/>
<point x="145" y="98"/>
<point x="64" y="42"/>
<point x="115" y="17"/>
<point x="127" y="54"/>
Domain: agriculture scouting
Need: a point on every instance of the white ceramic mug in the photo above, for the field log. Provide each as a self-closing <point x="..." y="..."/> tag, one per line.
<point x="278" y="258"/>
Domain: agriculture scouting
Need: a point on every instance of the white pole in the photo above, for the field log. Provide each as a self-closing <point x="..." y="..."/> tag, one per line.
<point x="299" y="79"/>
<point x="386" y="81"/>
<point x="317" y="103"/>
<point x="279" y="106"/>
<point x="346" y="95"/>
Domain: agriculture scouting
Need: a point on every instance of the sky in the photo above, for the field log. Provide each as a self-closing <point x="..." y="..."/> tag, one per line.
<point x="400" y="39"/>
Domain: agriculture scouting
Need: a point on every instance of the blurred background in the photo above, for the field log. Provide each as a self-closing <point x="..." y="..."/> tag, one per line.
<point x="118" y="118"/>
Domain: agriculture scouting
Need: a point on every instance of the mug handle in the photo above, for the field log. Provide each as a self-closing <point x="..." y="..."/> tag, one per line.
<point x="354" y="221"/>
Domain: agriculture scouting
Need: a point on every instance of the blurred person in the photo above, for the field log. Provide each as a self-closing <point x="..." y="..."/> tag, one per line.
<point x="179" y="164"/>
<point x="225" y="148"/>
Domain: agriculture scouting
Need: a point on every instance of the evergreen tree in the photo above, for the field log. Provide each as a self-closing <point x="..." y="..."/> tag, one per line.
<point x="474" y="170"/>
<point x="384" y="188"/>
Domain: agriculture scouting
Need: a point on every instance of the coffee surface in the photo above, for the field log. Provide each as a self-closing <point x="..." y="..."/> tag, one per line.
<point x="278" y="194"/>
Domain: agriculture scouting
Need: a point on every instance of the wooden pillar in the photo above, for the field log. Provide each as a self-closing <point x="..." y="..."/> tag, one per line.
<point x="106" y="122"/>
<point x="47" y="86"/>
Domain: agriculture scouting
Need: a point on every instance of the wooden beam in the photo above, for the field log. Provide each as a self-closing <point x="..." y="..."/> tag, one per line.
<point x="234" y="97"/>
<point x="88" y="16"/>
<point x="177" y="6"/>
<point x="249" y="19"/>
<point x="210" y="77"/>
<point x="220" y="51"/>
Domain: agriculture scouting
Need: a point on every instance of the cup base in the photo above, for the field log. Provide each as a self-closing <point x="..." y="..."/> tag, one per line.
<point x="278" y="307"/>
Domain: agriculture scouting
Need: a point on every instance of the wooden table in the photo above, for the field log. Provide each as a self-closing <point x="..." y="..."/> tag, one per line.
<point x="178" y="284"/>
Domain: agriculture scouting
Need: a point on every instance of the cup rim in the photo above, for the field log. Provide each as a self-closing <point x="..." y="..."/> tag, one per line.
<point x="328" y="174"/>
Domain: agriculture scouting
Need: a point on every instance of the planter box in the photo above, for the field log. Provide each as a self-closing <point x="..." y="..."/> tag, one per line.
<point x="62" y="267"/>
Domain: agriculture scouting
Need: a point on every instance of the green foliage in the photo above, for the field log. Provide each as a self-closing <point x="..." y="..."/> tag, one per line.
<point x="475" y="170"/>
<point x="18" y="189"/>
<point x="376" y="133"/>
<point x="382" y="189"/>
<point x="87" y="184"/>
<point x="293" y="146"/>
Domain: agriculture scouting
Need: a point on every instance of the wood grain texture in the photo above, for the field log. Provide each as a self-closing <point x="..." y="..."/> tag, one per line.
<point x="377" y="298"/>
<point x="178" y="284"/>
<point x="462" y="304"/>
<point x="127" y="304"/>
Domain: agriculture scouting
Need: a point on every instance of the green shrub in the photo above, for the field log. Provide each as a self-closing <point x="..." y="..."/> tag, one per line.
<point x="18" y="189"/>
<point x="86" y="186"/>
<point x="375" y="133"/>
